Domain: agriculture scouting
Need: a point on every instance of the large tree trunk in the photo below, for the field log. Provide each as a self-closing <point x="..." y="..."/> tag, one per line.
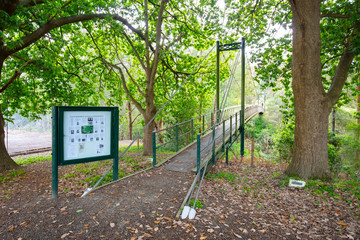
<point x="333" y="120"/>
<point x="6" y="162"/>
<point x="312" y="107"/>
<point x="149" y="114"/>
<point x="130" y="121"/>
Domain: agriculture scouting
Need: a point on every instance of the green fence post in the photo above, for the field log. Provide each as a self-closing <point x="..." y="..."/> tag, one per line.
<point x="217" y="97"/>
<point x="115" y="139"/>
<point x="198" y="152"/>
<point x="236" y="129"/>
<point x="55" y="171"/>
<point x="230" y="129"/>
<point x="227" y="155"/>
<point x="213" y="148"/>
<point x="223" y="148"/>
<point x="242" y="113"/>
<point x="177" y="136"/>
<point x="212" y="119"/>
<point x="192" y="130"/>
<point x="154" y="147"/>
<point x="203" y="122"/>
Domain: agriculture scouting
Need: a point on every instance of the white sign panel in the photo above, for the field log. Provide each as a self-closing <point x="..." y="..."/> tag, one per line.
<point x="86" y="134"/>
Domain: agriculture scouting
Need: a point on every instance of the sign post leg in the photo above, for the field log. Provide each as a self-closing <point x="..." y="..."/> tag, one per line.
<point x="55" y="171"/>
<point x="55" y="177"/>
<point x="115" y="140"/>
<point x="116" y="168"/>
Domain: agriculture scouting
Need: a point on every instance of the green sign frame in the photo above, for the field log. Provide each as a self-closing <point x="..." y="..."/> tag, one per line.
<point x="83" y="134"/>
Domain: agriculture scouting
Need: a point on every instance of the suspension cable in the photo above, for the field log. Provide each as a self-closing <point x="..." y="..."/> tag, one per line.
<point x="152" y="119"/>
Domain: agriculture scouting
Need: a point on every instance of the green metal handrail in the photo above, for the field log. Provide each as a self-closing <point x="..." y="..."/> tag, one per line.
<point x="194" y="127"/>
<point x="213" y="138"/>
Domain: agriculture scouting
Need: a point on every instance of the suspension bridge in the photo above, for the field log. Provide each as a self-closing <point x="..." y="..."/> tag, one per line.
<point x="198" y="142"/>
<point x="213" y="140"/>
<point x="203" y="140"/>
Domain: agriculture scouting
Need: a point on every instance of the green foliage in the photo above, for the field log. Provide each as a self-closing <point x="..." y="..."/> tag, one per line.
<point x="262" y="131"/>
<point x="284" y="142"/>
<point x="335" y="160"/>
<point x="254" y="128"/>
<point x="92" y="180"/>
<point x="198" y="203"/>
<point x="350" y="147"/>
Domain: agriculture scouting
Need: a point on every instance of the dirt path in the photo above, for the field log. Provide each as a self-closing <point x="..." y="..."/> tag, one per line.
<point x="240" y="203"/>
<point x="146" y="197"/>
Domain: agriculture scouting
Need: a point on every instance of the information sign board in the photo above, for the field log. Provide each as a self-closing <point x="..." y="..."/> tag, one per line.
<point x="84" y="134"/>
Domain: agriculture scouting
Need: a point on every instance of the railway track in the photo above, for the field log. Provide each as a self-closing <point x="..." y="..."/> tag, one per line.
<point x="30" y="151"/>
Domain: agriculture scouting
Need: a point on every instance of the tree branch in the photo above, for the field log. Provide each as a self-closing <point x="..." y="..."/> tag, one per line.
<point x="184" y="22"/>
<point x="50" y="25"/>
<point x="93" y="40"/>
<point x="62" y="7"/>
<point x="122" y="77"/>
<point x="135" y="118"/>
<point x="16" y="75"/>
<point x="131" y="78"/>
<point x="340" y="76"/>
<point x="295" y="10"/>
<point x="136" y="52"/>
<point x="329" y="59"/>
<point x="157" y="41"/>
<point x="147" y="44"/>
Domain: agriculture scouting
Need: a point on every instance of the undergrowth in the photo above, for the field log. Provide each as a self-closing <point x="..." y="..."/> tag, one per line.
<point x="8" y="177"/>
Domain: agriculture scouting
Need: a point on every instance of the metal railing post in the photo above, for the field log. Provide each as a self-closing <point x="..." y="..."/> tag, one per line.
<point x="154" y="147"/>
<point x="177" y="136"/>
<point x="212" y="119"/>
<point x="192" y="130"/>
<point x="242" y="95"/>
<point x="213" y="147"/>
<point x="223" y="148"/>
<point x="203" y="123"/>
<point x="236" y="129"/>
<point x="198" y="152"/>
<point x="227" y="155"/>
<point x="230" y="129"/>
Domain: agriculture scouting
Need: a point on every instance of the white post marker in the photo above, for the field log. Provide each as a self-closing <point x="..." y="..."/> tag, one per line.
<point x="185" y="212"/>
<point x="296" y="183"/>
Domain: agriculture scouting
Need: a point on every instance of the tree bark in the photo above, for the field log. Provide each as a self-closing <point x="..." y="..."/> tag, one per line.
<point x="130" y="121"/>
<point x="6" y="162"/>
<point x="312" y="107"/>
<point x="147" y="143"/>
<point x="333" y="120"/>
